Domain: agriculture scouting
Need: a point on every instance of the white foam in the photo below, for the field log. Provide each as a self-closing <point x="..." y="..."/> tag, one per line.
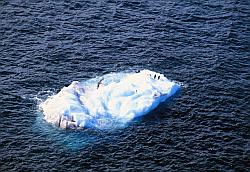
<point x="105" y="101"/>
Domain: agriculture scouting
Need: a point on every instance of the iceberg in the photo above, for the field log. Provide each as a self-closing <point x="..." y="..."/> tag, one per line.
<point x="108" y="101"/>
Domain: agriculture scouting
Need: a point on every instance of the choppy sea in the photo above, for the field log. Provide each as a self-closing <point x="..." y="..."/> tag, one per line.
<point x="203" y="44"/>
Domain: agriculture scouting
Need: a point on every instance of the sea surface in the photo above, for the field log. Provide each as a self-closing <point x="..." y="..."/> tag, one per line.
<point x="202" y="44"/>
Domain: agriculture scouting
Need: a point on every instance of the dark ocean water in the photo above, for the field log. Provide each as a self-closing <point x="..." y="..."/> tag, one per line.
<point x="205" y="45"/>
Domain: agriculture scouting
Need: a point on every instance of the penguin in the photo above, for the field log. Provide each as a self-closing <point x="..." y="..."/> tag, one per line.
<point x="62" y="123"/>
<point x="99" y="83"/>
<point x="59" y="121"/>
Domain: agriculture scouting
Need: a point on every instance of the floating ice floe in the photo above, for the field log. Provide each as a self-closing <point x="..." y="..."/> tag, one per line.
<point x="108" y="101"/>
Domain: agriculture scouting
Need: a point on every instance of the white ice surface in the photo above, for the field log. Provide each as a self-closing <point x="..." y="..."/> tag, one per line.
<point x="107" y="101"/>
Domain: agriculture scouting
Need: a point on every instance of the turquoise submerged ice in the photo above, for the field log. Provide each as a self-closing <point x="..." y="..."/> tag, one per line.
<point x="108" y="101"/>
